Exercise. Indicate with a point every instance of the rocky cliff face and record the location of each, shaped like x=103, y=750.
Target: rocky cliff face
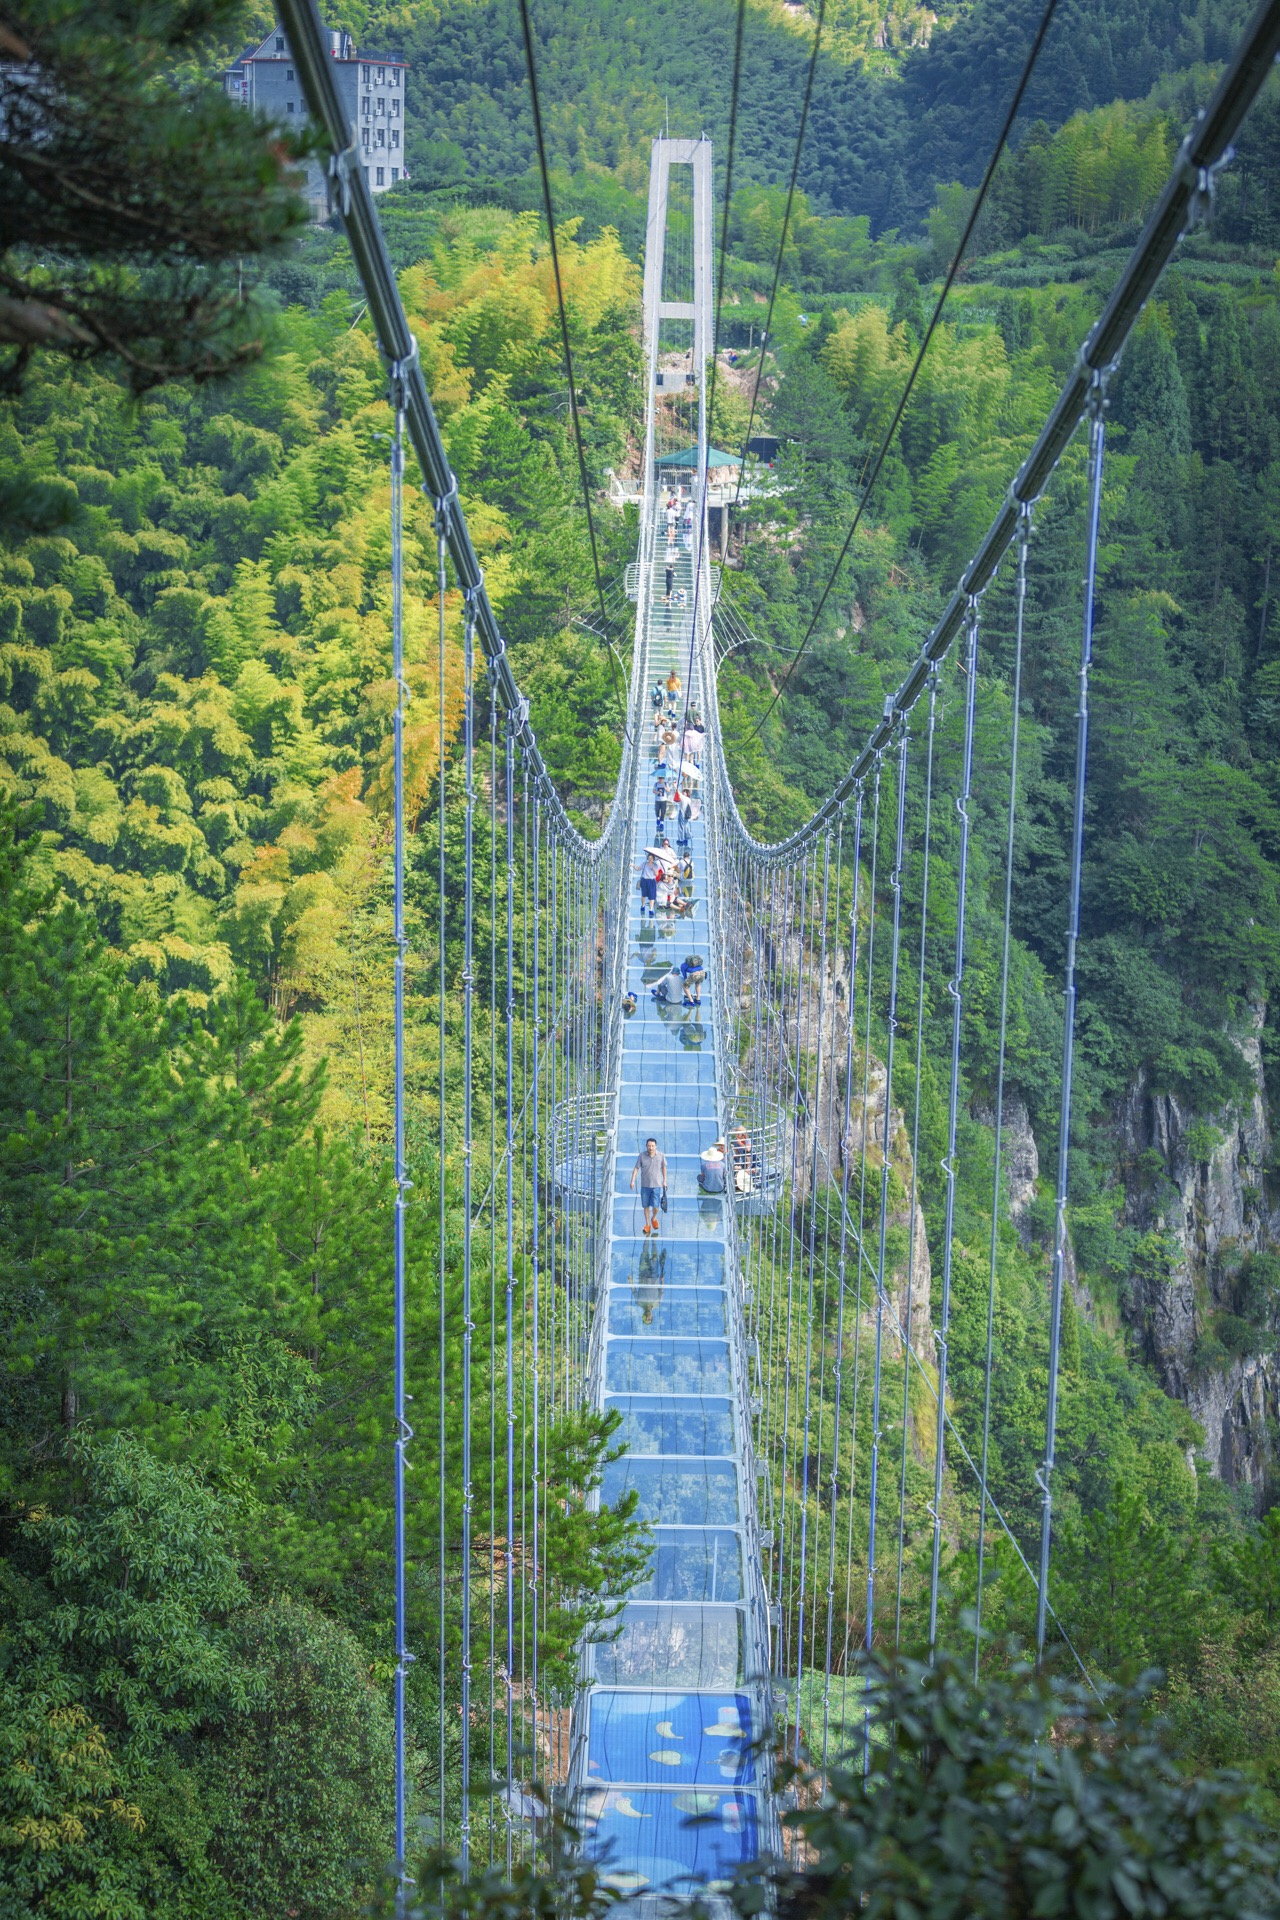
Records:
x=1202, y=1188
x=837, y=1119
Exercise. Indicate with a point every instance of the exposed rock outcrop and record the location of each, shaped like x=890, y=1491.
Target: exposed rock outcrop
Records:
x=1202, y=1187
x=830, y=1128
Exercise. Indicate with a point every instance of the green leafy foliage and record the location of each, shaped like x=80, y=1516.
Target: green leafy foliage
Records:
x=1026, y=1796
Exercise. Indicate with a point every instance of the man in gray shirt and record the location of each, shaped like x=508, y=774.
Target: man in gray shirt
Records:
x=651, y=1166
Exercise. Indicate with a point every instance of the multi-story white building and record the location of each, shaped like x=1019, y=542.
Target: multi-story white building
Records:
x=370, y=85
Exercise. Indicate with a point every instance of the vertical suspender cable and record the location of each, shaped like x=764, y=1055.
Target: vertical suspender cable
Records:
x=895, y=884
x=468, y=941
x=510, y=1300
x=528, y=1537
x=814, y=1120
x=956, y=990
x=862, y=1189
x=820, y=1464
x=404, y=1433
x=1024, y=539
x=838, y=1391
x=1045, y=1475
x=442, y=533
x=534, y=1199
x=493, y=1255
x=915, y=1150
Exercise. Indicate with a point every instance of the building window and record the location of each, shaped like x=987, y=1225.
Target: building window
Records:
x=381, y=180
x=395, y=107
x=365, y=138
x=364, y=74
x=382, y=76
x=288, y=73
x=365, y=107
x=382, y=137
x=289, y=106
x=279, y=43
x=395, y=175
x=395, y=137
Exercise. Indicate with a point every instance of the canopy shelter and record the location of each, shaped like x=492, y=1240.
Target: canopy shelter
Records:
x=687, y=457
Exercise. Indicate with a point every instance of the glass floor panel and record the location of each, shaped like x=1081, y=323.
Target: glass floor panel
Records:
x=667, y=1366
x=654, y=1427
x=681, y=1137
x=673, y=1646
x=681, y=1033
x=674, y=1066
x=683, y=1266
x=654, y=1106
x=693, y=1564
x=655, y=1026
x=689, y=1312
x=687, y=1219
x=666, y=1739
x=646, y=1839
x=694, y=1492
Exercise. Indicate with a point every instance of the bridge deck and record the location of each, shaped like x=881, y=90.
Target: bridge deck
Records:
x=666, y=1759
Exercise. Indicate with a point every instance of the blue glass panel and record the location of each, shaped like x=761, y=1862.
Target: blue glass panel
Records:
x=667, y=1366
x=664, y=1739
x=674, y=1067
x=648, y=1839
x=655, y=1106
x=685, y=1219
x=682, y=1266
x=692, y=1566
x=672, y=1646
x=690, y=1312
x=691, y=1492
x=645, y=1265
x=680, y=1137
x=674, y=1426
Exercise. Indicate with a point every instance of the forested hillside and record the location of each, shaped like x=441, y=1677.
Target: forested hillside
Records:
x=195, y=1226
x=195, y=957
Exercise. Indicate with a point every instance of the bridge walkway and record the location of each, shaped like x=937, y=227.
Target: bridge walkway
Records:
x=667, y=1781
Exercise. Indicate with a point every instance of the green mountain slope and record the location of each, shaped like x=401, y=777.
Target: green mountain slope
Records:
x=886, y=122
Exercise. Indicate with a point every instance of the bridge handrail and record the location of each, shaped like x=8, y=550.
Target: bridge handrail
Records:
x=1186, y=200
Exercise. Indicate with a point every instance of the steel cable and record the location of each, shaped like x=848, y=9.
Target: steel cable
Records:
x=1024, y=541
x=969, y=667
x=1097, y=437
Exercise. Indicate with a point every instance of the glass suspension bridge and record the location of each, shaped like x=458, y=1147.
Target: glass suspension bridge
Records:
x=776, y=1354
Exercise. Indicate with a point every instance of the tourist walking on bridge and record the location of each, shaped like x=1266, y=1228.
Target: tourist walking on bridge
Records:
x=649, y=886
x=651, y=1168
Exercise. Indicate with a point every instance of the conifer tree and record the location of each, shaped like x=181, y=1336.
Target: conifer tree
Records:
x=129, y=197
